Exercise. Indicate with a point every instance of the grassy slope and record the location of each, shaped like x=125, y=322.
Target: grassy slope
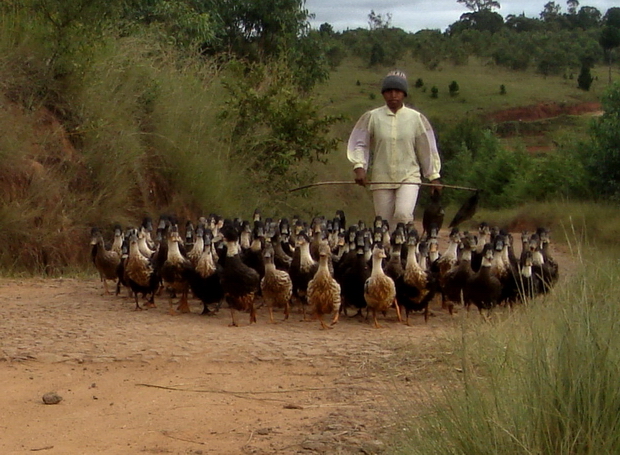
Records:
x=479, y=94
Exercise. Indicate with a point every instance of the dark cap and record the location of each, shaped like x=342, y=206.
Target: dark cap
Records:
x=395, y=80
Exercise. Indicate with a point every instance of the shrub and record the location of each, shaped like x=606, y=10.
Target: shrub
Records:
x=584, y=80
x=419, y=83
x=453, y=88
x=434, y=92
x=601, y=154
x=502, y=89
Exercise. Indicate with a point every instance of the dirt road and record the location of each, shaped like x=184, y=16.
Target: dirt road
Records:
x=148, y=382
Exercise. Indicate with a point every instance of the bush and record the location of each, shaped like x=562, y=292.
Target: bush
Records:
x=584, y=80
x=434, y=92
x=419, y=83
x=601, y=156
x=453, y=88
x=502, y=89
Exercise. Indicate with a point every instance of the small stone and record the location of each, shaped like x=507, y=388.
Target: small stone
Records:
x=52, y=398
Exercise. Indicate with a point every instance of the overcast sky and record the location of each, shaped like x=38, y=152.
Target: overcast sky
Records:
x=414, y=15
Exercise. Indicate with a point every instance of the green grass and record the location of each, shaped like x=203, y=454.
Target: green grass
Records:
x=479, y=89
x=540, y=380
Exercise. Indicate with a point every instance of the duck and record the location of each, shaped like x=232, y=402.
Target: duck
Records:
x=394, y=265
x=190, y=235
x=417, y=287
x=379, y=289
x=106, y=260
x=354, y=277
x=204, y=276
x=483, y=289
x=448, y=259
x=239, y=282
x=456, y=278
x=303, y=268
x=433, y=245
x=194, y=254
x=530, y=285
x=433, y=215
x=324, y=292
x=276, y=285
x=318, y=228
x=143, y=244
x=253, y=254
x=140, y=275
x=545, y=249
x=547, y=273
x=174, y=271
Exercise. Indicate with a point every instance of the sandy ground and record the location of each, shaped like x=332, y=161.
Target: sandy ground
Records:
x=147, y=382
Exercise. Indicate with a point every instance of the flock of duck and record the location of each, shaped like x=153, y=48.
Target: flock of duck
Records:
x=325, y=266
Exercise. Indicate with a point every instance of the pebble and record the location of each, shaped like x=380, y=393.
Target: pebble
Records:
x=51, y=398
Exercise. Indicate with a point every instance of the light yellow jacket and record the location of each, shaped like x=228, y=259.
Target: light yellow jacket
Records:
x=392, y=147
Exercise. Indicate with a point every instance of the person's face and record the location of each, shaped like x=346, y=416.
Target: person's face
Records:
x=394, y=99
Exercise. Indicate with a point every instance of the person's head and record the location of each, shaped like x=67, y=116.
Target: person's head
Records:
x=394, y=89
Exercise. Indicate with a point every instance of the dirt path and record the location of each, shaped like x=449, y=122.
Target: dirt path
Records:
x=148, y=382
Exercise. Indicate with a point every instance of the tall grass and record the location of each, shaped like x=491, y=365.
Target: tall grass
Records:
x=542, y=380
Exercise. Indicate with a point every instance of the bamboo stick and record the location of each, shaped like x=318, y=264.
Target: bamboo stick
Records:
x=349, y=182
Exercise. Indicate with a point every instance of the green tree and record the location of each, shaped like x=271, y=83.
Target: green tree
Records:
x=377, y=21
x=610, y=35
x=572, y=6
x=588, y=17
x=484, y=20
x=480, y=5
x=551, y=12
x=601, y=155
x=270, y=125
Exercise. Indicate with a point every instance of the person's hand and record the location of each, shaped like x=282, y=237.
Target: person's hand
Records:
x=437, y=186
x=360, y=176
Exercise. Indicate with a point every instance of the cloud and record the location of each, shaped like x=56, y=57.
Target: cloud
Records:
x=416, y=15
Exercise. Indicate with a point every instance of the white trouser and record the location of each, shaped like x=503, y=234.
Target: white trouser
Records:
x=396, y=205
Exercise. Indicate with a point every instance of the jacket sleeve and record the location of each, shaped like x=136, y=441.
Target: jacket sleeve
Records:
x=358, y=148
x=426, y=151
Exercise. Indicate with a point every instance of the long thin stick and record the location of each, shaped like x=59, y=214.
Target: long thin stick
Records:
x=349, y=182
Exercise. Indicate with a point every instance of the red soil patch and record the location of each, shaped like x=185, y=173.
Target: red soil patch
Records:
x=542, y=111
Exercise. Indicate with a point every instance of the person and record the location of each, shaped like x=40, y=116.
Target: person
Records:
x=392, y=145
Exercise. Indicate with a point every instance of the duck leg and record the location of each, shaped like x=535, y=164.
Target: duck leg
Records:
x=138, y=307
x=400, y=319
x=234, y=321
x=183, y=303
x=252, y=313
x=374, y=317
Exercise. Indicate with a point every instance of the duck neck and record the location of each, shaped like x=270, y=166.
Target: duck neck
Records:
x=452, y=250
x=305, y=258
x=173, y=250
x=377, y=268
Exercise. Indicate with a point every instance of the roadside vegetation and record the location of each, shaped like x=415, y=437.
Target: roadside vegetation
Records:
x=540, y=379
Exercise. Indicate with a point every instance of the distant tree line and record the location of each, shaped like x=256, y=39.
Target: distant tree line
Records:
x=552, y=44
